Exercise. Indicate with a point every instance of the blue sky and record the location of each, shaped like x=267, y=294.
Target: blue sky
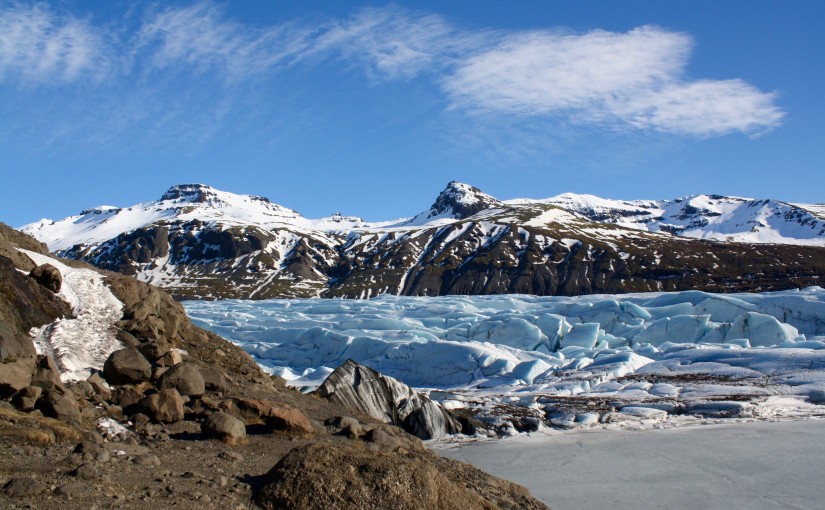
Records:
x=370, y=108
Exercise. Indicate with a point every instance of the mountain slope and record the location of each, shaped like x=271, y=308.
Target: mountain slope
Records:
x=199, y=242
x=705, y=217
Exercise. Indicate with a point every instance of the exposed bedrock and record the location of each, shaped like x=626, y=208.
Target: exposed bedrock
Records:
x=366, y=391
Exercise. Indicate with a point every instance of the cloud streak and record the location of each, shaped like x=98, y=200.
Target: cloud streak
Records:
x=625, y=80
x=617, y=81
x=40, y=46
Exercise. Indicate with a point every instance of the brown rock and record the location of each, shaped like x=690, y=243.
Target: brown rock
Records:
x=184, y=377
x=56, y=404
x=15, y=375
x=99, y=386
x=48, y=276
x=26, y=398
x=165, y=406
x=14, y=346
x=24, y=487
x=170, y=359
x=353, y=477
x=126, y=366
x=288, y=419
x=225, y=427
x=154, y=348
x=46, y=375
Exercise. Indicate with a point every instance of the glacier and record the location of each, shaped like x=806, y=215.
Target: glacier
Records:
x=651, y=354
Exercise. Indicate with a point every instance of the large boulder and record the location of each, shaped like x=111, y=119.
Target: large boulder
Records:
x=366, y=391
x=165, y=406
x=225, y=427
x=15, y=375
x=126, y=366
x=353, y=476
x=56, y=404
x=184, y=377
x=46, y=374
x=48, y=276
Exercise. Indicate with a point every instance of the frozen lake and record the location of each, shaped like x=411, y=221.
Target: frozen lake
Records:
x=748, y=466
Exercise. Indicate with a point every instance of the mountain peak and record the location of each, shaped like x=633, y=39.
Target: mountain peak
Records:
x=197, y=193
x=459, y=201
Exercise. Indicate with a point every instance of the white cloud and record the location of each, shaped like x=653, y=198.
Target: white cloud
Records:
x=39, y=45
x=632, y=79
x=200, y=36
x=388, y=42
x=395, y=43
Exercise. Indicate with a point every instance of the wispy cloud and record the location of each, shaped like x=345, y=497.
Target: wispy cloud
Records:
x=634, y=80
x=40, y=45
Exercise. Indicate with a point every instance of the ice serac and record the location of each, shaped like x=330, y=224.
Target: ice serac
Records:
x=366, y=391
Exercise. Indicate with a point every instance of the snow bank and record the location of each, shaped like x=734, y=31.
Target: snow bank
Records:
x=84, y=342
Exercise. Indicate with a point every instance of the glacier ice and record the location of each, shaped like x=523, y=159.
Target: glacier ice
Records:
x=649, y=347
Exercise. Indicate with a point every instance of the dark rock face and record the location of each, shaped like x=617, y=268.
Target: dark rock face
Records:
x=354, y=477
x=461, y=201
x=48, y=276
x=366, y=391
x=474, y=256
x=13, y=345
x=126, y=366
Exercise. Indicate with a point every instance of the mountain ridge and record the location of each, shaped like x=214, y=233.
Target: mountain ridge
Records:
x=200, y=242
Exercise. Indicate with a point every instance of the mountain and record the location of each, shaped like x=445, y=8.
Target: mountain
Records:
x=705, y=217
x=199, y=242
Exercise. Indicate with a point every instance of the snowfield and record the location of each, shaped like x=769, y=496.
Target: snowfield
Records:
x=84, y=342
x=656, y=359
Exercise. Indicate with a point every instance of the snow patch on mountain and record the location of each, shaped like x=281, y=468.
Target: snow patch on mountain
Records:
x=701, y=216
x=720, y=218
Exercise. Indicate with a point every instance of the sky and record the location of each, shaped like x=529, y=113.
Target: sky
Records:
x=370, y=108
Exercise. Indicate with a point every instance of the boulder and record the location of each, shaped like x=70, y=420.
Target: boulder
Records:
x=15, y=375
x=356, y=477
x=271, y=414
x=288, y=419
x=48, y=276
x=126, y=366
x=366, y=391
x=225, y=427
x=184, y=377
x=153, y=349
x=213, y=378
x=26, y=398
x=46, y=374
x=165, y=406
x=56, y=404
x=170, y=359
x=99, y=386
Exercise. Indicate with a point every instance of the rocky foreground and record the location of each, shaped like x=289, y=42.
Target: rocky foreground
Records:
x=180, y=418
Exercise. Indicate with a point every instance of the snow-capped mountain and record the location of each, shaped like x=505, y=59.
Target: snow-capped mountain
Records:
x=201, y=242
x=705, y=217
